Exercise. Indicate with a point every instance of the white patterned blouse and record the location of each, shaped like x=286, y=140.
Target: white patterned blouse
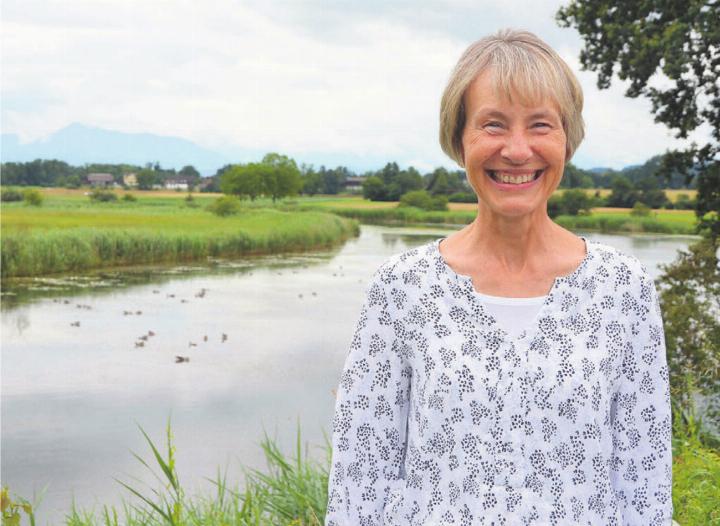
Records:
x=443, y=419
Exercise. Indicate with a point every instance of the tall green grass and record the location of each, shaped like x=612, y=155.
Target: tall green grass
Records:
x=663, y=224
x=51, y=241
x=293, y=492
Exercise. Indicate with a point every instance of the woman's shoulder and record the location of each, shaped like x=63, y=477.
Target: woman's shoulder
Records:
x=408, y=267
x=610, y=256
x=620, y=271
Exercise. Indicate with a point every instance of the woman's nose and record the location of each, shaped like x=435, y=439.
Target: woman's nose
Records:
x=517, y=148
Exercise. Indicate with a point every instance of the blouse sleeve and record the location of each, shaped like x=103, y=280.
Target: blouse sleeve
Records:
x=371, y=411
x=641, y=467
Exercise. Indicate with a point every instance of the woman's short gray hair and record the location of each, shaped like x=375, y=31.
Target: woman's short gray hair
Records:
x=524, y=67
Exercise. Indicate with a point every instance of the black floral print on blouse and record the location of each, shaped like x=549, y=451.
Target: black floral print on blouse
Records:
x=442, y=419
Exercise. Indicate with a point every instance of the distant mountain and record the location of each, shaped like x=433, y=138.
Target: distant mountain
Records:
x=78, y=144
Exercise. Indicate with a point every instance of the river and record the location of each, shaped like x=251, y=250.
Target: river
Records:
x=88, y=359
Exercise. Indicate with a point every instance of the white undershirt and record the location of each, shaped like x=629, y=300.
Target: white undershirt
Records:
x=513, y=315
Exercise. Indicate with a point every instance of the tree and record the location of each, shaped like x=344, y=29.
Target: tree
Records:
x=623, y=193
x=333, y=181
x=650, y=192
x=146, y=178
x=692, y=326
x=574, y=177
x=244, y=180
x=678, y=43
x=281, y=176
x=191, y=173
x=312, y=180
x=575, y=200
x=373, y=188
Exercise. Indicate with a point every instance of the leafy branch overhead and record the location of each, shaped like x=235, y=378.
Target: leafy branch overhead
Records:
x=669, y=52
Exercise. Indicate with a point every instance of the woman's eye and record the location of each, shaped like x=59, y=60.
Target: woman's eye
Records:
x=493, y=124
x=541, y=125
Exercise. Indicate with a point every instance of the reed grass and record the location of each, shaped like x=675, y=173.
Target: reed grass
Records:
x=46, y=241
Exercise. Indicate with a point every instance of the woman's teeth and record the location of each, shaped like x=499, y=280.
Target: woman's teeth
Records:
x=504, y=177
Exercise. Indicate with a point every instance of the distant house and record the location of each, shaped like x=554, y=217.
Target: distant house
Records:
x=101, y=180
x=178, y=183
x=130, y=179
x=354, y=184
x=208, y=184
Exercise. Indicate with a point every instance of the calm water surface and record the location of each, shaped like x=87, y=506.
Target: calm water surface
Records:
x=73, y=396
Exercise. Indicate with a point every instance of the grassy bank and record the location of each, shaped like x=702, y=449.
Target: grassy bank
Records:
x=661, y=222
x=602, y=220
x=293, y=491
x=71, y=235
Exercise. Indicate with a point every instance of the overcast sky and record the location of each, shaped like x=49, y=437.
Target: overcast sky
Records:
x=309, y=78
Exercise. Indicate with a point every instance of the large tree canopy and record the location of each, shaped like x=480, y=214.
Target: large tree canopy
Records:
x=669, y=52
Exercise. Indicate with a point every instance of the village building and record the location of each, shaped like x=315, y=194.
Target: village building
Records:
x=353, y=184
x=178, y=183
x=130, y=180
x=100, y=179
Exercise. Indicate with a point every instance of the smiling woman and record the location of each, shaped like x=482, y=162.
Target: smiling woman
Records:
x=512, y=373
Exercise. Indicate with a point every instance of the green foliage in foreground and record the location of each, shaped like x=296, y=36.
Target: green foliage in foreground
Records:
x=293, y=492
x=42, y=241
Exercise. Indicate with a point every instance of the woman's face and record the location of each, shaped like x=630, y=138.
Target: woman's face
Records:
x=514, y=155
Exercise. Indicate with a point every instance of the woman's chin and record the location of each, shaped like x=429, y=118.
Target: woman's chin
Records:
x=515, y=208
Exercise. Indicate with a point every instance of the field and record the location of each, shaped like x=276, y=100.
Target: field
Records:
x=69, y=233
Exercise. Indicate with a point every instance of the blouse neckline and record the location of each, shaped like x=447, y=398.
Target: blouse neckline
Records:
x=476, y=297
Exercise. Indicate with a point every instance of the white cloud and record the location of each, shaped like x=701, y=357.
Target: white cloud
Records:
x=305, y=78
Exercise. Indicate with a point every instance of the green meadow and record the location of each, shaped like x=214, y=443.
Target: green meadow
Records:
x=69, y=233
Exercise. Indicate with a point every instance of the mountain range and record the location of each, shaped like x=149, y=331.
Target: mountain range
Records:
x=78, y=144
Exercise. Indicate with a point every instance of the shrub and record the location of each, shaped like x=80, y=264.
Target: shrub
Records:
x=102, y=196
x=640, y=209
x=572, y=202
x=575, y=200
x=417, y=198
x=683, y=202
x=129, y=198
x=9, y=195
x=463, y=197
x=32, y=197
x=439, y=202
x=190, y=201
x=423, y=200
x=224, y=206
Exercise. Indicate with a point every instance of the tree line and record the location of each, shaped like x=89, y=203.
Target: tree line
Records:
x=54, y=173
x=277, y=176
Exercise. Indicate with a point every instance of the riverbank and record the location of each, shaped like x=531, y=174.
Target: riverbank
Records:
x=73, y=235
x=605, y=220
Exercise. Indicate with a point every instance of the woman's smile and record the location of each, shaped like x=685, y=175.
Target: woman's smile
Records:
x=506, y=179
